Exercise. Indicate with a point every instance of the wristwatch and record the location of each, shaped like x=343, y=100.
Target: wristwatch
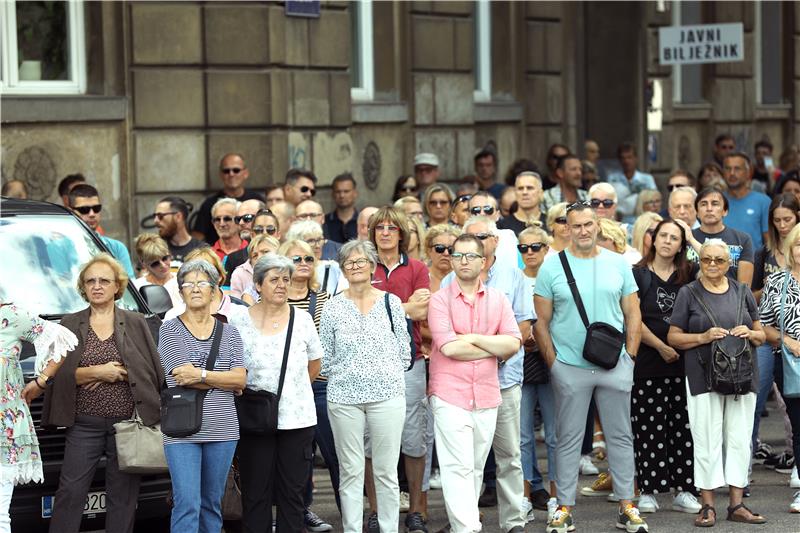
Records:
x=203, y=376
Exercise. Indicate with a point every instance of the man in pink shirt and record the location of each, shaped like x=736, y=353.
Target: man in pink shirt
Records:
x=473, y=329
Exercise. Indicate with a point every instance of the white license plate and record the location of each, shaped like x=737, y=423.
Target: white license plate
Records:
x=95, y=504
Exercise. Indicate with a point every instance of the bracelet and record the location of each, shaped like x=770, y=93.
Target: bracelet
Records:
x=36, y=380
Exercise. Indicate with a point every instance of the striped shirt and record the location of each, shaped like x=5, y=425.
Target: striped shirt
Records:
x=305, y=304
x=177, y=346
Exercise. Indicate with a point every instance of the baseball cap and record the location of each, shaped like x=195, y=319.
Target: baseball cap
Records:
x=426, y=158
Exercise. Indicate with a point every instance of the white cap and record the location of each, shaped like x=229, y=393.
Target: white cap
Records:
x=426, y=158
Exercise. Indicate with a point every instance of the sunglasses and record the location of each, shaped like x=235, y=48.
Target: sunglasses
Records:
x=297, y=259
x=307, y=189
x=713, y=260
x=231, y=170
x=560, y=220
x=535, y=247
x=269, y=230
x=158, y=262
x=482, y=236
x=578, y=205
x=408, y=189
x=160, y=216
x=86, y=209
x=244, y=218
x=608, y=204
x=671, y=188
x=438, y=203
x=462, y=198
x=441, y=248
x=487, y=210
x=217, y=220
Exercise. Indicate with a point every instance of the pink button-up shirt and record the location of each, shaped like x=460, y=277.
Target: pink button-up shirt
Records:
x=467, y=384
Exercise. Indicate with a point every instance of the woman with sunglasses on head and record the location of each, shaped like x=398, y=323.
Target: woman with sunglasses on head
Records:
x=437, y=204
x=459, y=211
x=558, y=227
x=154, y=255
x=404, y=186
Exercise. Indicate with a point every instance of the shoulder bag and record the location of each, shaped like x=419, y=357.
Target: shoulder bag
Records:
x=791, y=364
x=604, y=342
x=182, y=407
x=409, y=327
x=258, y=409
x=140, y=448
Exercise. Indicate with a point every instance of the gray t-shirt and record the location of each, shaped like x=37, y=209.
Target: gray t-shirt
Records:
x=740, y=246
x=690, y=317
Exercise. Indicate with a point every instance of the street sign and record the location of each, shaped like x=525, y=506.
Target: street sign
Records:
x=704, y=43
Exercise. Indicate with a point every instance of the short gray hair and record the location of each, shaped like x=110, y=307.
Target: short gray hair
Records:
x=603, y=187
x=271, y=261
x=355, y=246
x=719, y=243
x=491, y=226
x=225, y=201
x=682, y=188
x=300, y=229
x=201, y=266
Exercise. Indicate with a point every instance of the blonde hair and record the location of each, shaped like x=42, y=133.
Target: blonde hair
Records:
x=438, y=230
x=558, y=210
x=150, y=246
x=394, y=216
x=207, y=254
x=640, y=227
x=535, y=230
x=433, y=189
x=646, y=195
x=261, y=238
x=120, y=276
x=610, y=230
x=790, y=240
x=415, y=226
x=283, y=250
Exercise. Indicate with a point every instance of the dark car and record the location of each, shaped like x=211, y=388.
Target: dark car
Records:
x=43, y=247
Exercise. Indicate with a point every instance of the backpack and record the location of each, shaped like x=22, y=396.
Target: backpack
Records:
x=731, y=367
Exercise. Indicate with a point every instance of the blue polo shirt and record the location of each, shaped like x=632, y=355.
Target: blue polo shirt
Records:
x=750, y=215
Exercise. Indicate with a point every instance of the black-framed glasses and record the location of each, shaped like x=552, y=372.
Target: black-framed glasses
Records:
x=160, y=216
x=408, y=188
x=607, y=203
x=487, y=210
x=560, y=220
x=231, y=170
x=469, y=256
x=246, y=218
x=442, y=248
x=217, y=220
x=86, y=209
x=361, y=262
x=307, y=259
x=269, y=230
x=319, y=241
x=578, y=205
x=306, y=189
x=533, y=247
x=157, y=262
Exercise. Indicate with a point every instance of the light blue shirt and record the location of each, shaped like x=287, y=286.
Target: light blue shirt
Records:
x=602, y=282
x=750, y=215
x=120, y=253
x=628, y=191
x=512, y=282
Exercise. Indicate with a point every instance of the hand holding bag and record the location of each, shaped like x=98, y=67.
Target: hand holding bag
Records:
x=791, y=364
x=140, y=448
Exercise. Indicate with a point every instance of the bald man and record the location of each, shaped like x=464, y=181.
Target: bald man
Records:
x=363, y=222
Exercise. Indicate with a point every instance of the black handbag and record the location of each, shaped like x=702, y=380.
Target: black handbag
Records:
x=258, y=409
x=182, y=407
x=534, y=369
x=604, y=342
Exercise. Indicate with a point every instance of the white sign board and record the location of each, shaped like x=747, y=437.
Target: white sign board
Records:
x=704, y=43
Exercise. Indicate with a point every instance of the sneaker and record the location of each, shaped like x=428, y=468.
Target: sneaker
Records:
x=314, y=522
x=648, y=503
x=794, y=481
x=552, y=507
x=587, y=466
x=527, y=509
x=795, y=506
x=372, y=523
x=786, y=465
x=684, y=502
x=561, y=521
x=629, y=520
x=539, y=499
x=600, y=487
x=488, y=498
x=763, y=452
x=415, y=523
x=405, y=502
x=774, y=460
x=435, y=480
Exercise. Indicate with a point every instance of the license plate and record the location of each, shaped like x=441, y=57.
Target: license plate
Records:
x=95, y=504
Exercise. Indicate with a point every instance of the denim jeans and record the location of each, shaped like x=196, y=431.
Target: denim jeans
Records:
x=198, y=472
x=543, y=394
x=323, y=436
x=766, y=375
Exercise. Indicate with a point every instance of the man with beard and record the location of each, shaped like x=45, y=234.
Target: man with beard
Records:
x=170, y=216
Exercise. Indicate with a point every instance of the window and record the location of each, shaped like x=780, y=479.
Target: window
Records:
x=687, y=80
x=769, y=78
x=362, y=75
x=42, y=47
x=483, y=51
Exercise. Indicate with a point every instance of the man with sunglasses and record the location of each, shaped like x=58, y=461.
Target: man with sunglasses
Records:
x=484, y=204
x=678, y=178
x=629, y=181
x=170, y=217
x=245, y=219
x=84, y=200
x=233, y=174
x=569, y=179
x=299, y=185
x=223, y=216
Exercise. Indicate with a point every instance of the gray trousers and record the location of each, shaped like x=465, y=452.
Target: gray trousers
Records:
x=573, y=388
x=88, y=440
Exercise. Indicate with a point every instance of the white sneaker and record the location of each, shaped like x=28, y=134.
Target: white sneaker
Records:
x=435, y=481
x=685, y=502
x=552, y=507
x=795, y=506
x=587, y=466
x=527, y=509
x=648, y=503
x=794, y=481
x=405, y=503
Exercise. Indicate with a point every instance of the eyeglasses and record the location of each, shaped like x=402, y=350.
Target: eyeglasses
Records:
x=231, y=170
x=672, y=187
x=319, y=241
x=308, y=216
x=246, y=218
x=269, y=230
x=650, y=232
x=469, y=256
x=306, y=189
x=608, y=204
x=160, y=216
x=487, y=210
x=103, y=282
x=190, y=285
x=560, y=220
x=462, y=198
x=534, y=247
x=441, y=248
x=217, y=220
x=482, y=236
x=438, y=203
x=308, y=259
x=578, y=205
x=86, y=209
x=361, y=262
x=713, y=260
x=157, y=262
x=386, y=227
x=408, y=189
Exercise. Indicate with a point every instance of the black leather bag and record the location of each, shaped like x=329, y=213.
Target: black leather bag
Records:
x=182, y=407
x=604, y=342
x=534, y=369
x=257, y=409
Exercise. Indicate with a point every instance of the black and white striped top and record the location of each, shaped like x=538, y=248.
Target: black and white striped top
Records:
x=305, y=305
x=177, y=346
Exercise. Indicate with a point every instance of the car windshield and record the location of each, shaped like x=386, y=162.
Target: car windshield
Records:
x=42, y=256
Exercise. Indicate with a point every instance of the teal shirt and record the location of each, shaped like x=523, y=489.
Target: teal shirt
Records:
x=120, y=253
x=602, y=282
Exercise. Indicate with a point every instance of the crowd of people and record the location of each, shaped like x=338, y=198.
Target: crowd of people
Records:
x=453, y=328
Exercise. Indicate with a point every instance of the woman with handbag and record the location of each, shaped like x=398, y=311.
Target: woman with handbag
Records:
x=112, y=374
x=200, y=355
x=276, y=413
x=780, y=316
x=715, y=319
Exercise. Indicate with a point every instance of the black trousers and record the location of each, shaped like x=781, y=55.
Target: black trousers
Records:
x=274, y=467
x=87, y=441
x=662, y=440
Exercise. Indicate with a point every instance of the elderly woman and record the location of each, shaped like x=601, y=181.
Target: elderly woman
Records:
x=328, y=272
x=367, y=350
x=221, y=303
x=242, y=278
x=721, y=424
x=154, y=255
x=276, y=466
x=603, y=198
x=112, y=372
x=643, y=231
x=558, y=227
x=778, y=310
x=436, y=204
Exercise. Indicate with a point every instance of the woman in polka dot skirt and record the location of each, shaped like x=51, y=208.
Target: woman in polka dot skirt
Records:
x=662, y=438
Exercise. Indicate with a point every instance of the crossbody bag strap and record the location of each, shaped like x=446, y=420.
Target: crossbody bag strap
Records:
x=215, y=342
x=286, y=351
x=703, y=305
x=781, y=314
x=388, y=310
x=312, y=304
x=325, y=278
x=742, y=304
x=573, y=286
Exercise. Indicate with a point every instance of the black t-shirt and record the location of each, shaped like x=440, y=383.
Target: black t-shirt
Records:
x=740, y=246
x=178, y=253
x=765, y=264
x=656, y=300
x=516, y=225
x=203, y=223
x=233, y=260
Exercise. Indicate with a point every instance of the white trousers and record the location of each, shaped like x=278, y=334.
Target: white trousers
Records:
x=6, y=490
x=721, y=429
x=384, y=421
x=463, y=440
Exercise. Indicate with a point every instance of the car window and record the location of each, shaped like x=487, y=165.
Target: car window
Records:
x=41, y=259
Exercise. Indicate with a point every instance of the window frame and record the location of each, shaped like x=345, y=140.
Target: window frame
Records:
x=10, y=84
x=483, y=51
x=365, y=49
x=759, y=53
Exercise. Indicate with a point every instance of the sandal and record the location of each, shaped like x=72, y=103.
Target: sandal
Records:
x=755, y=518
x=704, y=519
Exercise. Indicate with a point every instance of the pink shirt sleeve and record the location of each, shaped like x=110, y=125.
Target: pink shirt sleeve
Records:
x=439, y=321
x=238, y=279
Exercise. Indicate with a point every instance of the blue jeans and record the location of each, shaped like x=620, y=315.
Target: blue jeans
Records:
x=323, y=436
x=766, y=376
x=543, y=394
x=199, y=472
